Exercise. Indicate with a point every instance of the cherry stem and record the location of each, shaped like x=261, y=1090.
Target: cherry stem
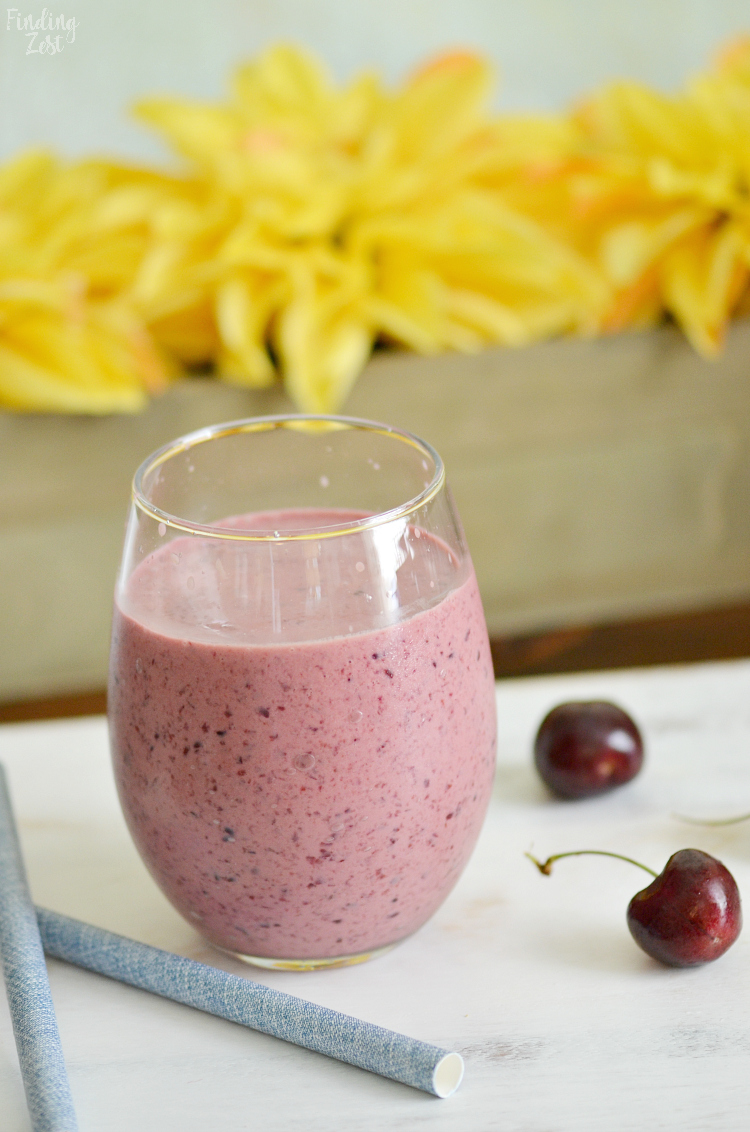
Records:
x=545, y=867
x=716, y=821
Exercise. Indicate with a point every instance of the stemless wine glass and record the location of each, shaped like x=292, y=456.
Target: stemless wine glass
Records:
x=302, y=710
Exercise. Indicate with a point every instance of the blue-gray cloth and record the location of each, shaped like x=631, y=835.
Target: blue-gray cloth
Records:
x=34, y=1024
x=252, y=1004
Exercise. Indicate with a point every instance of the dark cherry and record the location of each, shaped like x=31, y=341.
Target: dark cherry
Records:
x=690, y=914
x=587, y=748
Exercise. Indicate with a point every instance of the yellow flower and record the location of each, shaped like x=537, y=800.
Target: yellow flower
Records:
x=668, y=217
x=358, y=213
x=313, y=221
x=68, y=341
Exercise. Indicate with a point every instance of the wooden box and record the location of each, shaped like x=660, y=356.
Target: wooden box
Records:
x=597, y=480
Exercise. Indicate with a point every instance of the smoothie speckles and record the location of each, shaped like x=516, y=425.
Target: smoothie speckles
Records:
x=294, y=787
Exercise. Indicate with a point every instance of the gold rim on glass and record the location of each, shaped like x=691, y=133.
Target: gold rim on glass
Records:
x=300, y=423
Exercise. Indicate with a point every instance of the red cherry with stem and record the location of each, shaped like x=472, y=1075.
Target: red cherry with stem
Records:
x=689, y=914
x=587, y=748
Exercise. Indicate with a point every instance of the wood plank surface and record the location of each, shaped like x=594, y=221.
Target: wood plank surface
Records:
x=564, y=1024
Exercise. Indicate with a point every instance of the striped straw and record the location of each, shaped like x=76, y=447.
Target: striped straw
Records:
x=423, y=1066
x=34, y=1024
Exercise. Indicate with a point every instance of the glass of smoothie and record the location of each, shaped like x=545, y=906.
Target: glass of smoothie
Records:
x=301, y=697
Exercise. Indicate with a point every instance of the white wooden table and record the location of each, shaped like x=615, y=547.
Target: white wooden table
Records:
x=564, y=1024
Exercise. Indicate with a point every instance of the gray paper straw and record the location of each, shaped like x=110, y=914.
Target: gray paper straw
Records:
x=34, y=1024
x=427, y=1067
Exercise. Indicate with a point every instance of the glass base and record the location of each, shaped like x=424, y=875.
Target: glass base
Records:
x=311, y=964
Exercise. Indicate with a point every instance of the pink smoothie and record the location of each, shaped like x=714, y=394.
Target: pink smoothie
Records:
x=301, y=800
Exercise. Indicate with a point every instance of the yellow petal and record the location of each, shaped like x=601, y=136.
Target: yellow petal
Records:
x=188, y=332
x=322, y=345
x=630, y=248
x=496, y=321
x=194, y=129
x=700, y=283
x=286, y=79
x=243, y=312
x=443, y=102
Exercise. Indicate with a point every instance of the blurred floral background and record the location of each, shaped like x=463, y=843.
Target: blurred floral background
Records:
x=292, y=224
x=531, y=214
